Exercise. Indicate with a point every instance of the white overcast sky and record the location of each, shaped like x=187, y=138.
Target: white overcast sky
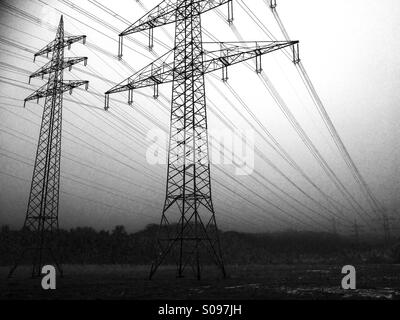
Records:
x=349, y=48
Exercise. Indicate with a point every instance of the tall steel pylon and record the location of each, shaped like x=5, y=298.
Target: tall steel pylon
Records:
x=41, y=220
x=334, y=227
x=188, y=229
x=356, y=230
x=386, y=228
x=387, y=221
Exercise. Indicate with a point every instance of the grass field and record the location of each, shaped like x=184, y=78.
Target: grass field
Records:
x=244, y=282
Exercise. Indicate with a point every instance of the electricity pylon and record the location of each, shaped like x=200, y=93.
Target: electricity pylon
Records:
x=386, y=221
x=334, y=227
x=386, y=227
x=356, y=232
x=41, y=220
x=188, y=228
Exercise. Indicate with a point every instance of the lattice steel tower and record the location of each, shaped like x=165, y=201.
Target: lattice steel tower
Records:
x=188, y=229
x=42, y=214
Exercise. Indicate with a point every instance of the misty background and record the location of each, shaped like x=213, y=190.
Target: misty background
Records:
x=349, y=48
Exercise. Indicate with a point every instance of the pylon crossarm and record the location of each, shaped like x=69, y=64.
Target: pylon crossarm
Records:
x=165, y=13
x=52, y=46
x=65, y=86
x=158, y=72
x=229, y=53
x=50, y=67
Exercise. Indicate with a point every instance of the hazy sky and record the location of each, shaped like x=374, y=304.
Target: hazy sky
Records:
x=349, y=48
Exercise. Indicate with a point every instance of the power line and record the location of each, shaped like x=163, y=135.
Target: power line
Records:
x=314, y=151
x=331, y=128
x=305, y=138
x=224, y=185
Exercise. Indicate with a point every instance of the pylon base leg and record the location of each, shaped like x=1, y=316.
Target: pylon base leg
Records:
x=36, y=268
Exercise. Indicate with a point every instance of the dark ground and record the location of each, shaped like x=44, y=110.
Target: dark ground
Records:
x=244, y=282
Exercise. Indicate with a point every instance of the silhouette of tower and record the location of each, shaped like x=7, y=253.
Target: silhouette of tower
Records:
x=188, y=230
x=386, y=228
x=356, y=230
x=41, y=220
x=334, y=227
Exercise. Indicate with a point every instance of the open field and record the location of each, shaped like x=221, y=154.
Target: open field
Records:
x=244, y=282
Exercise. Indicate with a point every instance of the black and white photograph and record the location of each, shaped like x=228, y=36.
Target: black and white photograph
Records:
x=199, y=155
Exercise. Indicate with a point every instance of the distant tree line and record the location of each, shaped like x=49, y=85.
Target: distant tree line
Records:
x=88, y=246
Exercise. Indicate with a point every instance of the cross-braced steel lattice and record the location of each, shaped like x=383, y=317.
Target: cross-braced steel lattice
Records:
x=188, y=231
x=41, y=220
